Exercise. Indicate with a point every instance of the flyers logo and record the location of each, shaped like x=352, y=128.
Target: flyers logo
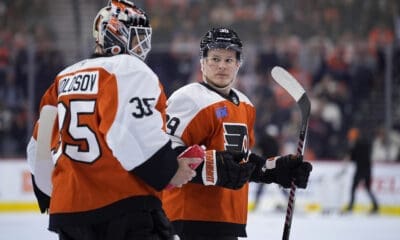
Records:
x=236, y=137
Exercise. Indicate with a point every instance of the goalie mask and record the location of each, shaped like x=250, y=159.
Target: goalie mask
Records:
x=221, y=38
x=121, y=27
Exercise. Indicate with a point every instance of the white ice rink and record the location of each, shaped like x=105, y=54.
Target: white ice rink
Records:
x=261, y=226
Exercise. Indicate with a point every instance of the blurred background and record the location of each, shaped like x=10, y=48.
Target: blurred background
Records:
x=346, y=53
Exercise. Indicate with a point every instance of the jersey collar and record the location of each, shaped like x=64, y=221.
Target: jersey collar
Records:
x=232, y=97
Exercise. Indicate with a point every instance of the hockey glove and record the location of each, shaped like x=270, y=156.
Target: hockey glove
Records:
x=225, y=170
x=281, y=170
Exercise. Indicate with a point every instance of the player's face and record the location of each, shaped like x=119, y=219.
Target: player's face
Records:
x=220, y=67
x=135, y=42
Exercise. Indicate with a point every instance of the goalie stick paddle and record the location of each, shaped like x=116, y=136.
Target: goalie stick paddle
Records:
x=43, y=167
x=293, y=87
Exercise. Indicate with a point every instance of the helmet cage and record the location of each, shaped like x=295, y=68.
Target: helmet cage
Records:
x=139, y=42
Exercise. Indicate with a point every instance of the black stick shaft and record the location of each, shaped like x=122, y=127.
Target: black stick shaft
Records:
x=292, y=194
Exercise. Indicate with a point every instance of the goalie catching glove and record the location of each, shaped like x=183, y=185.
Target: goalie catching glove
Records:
x=281, y=170
x=224, y=169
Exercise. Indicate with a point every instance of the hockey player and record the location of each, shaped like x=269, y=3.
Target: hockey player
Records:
x=213, y=114
x=111, y=155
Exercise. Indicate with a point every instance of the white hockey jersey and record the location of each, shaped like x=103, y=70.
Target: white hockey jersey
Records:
x=111, y=120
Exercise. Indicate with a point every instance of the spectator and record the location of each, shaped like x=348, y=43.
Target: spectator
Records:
x=360, y=153
x=386, y=146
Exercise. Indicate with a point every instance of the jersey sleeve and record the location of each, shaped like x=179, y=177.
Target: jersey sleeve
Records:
x=49, y=98
x=136, y=131
x=188, y=123
x=41, y=169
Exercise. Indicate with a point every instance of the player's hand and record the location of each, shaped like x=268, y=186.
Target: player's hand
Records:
x=185, y=173
x=282, y=170
x=192, y=157
x=226, y=169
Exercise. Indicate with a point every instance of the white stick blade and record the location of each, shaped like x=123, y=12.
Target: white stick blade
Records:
x=288, y=82
x=43, y=164
x=46, y=122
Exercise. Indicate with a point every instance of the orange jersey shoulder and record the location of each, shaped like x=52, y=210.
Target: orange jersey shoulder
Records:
x=198, y=115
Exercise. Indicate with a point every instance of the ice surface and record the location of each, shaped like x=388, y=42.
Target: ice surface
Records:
x=261, y=225
x=326, y=227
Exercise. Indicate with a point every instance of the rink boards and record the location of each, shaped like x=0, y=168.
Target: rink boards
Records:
x=328, y=190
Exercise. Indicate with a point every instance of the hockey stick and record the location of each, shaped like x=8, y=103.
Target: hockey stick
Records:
x=43, y=167
x=290, y=84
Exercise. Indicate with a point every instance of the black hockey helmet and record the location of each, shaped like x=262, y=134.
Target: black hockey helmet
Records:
x=223, y=38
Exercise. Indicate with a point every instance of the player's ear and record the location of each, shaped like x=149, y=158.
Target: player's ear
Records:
x=201, y=64
x=238, y=65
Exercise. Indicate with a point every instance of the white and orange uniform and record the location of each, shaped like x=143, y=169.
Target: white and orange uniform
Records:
x=110, y=150
x=198, y=114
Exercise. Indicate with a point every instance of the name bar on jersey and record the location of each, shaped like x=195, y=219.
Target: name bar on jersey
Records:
x=79, y=83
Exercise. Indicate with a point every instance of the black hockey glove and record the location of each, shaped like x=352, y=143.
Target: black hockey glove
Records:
x=224, y=169
x=281, y=170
